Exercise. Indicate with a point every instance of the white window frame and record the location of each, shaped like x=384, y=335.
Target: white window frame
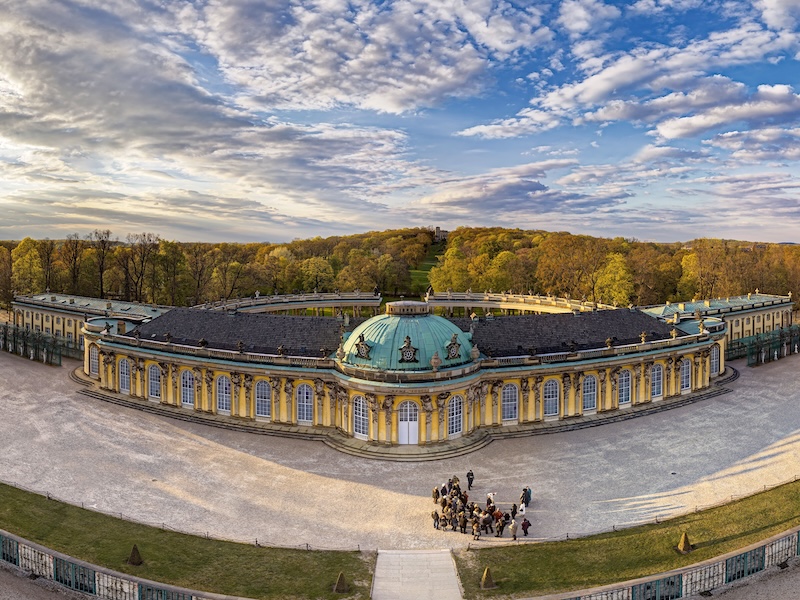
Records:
x=360, y=418
x=154, y=382
x=686, y=375
x=551, y=397
x=224, y=389
x=94, y=360
x=455, y=416
x=124, y=376
x=304, y=400
x=714, y=361
x=510, y=402
x=624, y=387
x=187, y=389
x=656, y=381
x=589, y=393
x=263, y=400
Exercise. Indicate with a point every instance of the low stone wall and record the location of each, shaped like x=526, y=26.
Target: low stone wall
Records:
x=89, y=579
x=701, y=578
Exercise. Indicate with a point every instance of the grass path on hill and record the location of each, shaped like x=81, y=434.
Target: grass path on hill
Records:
x=419, y=277
x=180, y=559
x=538, y=569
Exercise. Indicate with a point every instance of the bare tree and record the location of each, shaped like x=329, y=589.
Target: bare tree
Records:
x=47, y=258
x=102, y=243
x=200, y=265
x=143, y=251
x=72, y=256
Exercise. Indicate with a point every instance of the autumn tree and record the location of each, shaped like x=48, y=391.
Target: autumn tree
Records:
x=200, y=260
x=27, y=277
x=71, y=255
x=6, y=289
x=46, y=249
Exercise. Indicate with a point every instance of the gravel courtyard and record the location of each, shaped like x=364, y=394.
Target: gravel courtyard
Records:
x=288, y=492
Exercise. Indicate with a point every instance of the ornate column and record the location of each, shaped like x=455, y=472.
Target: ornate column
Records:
x=636, y=395
x=668, y=376
x=275, y=383
x=577, y=379
x=441, y=402
x=174, y=370
x=249, y=404
x=198, y=388
x=614, y=380
x=601, y=377
x=140, y=378
x=565, y=385
x=372, y=402
x=537, y=398
x=236, y=384
x=648, y=387
x=164, y=382
x=427, y=407
x=697, y=376
x=525, y=388
x=483, y=391
x=288, y=389
x=208, y=378
x=388, y=406
x=105, y=361
x=344, y=400
x=494, y=390
x=319, y=396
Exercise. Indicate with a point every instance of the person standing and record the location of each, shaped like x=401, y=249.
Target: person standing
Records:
x=528, y=496
x=513, y=511
x=435, y=494
x=513, y=529
x=525, y=525
x=470, y=479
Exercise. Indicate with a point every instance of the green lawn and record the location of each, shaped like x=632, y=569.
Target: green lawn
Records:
x=531, y=569
x=183, y=560
x=419, y=277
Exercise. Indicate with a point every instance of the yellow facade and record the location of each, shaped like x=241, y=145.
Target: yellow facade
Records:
x=491, y=397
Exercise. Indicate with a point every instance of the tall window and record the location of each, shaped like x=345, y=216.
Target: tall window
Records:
x=590, y=392
x=154, y=379
x=263, y=399
x=305, y=403
x=551, y=398
x=223, y=394
x=455, y=411
x=187, y=388
x=715, y=359
x=657, y=381
x=510, y=397
x=360, y=417
x=94, y=361
x=686, y=375
x=125, y=376
x=624, y=387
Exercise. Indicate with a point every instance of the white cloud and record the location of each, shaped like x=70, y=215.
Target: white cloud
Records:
x=580, y=17
x=760, y=145
x=780, y=14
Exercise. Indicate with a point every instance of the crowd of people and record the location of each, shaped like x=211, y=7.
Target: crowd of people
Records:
x=456, y=512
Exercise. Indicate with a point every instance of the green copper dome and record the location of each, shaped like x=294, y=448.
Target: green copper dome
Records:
x=406, y=338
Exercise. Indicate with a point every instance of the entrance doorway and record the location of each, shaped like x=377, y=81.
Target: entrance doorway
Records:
x=408, y=423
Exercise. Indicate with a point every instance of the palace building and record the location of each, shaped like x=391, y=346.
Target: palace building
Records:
x=407, y=376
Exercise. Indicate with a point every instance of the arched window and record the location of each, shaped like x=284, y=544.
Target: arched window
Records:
x=510, y=397
x=715, y=359
x=360, y=417
x=305, y=403
x=263, y=399
x=551, y=398
x=590, y=392
x=657, y=381
x=94, y=361
x=124, y=376
x=455, y=409
x=154, y=380
x=223, y=394
x=624, y=387
x=686, y=375
x=187, y=388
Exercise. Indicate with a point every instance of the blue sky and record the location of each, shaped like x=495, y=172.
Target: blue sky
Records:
x=268, y=120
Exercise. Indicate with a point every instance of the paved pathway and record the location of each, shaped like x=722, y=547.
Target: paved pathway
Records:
x=415, y=575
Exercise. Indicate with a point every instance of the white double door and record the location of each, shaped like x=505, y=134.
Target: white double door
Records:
x=408, y=423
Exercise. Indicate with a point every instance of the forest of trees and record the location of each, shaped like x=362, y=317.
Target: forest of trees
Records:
x=146, y=268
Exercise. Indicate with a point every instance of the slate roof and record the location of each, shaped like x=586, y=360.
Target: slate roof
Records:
x=261, y=333
x=544, y=334
x=495, y=337
x=94, y=306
